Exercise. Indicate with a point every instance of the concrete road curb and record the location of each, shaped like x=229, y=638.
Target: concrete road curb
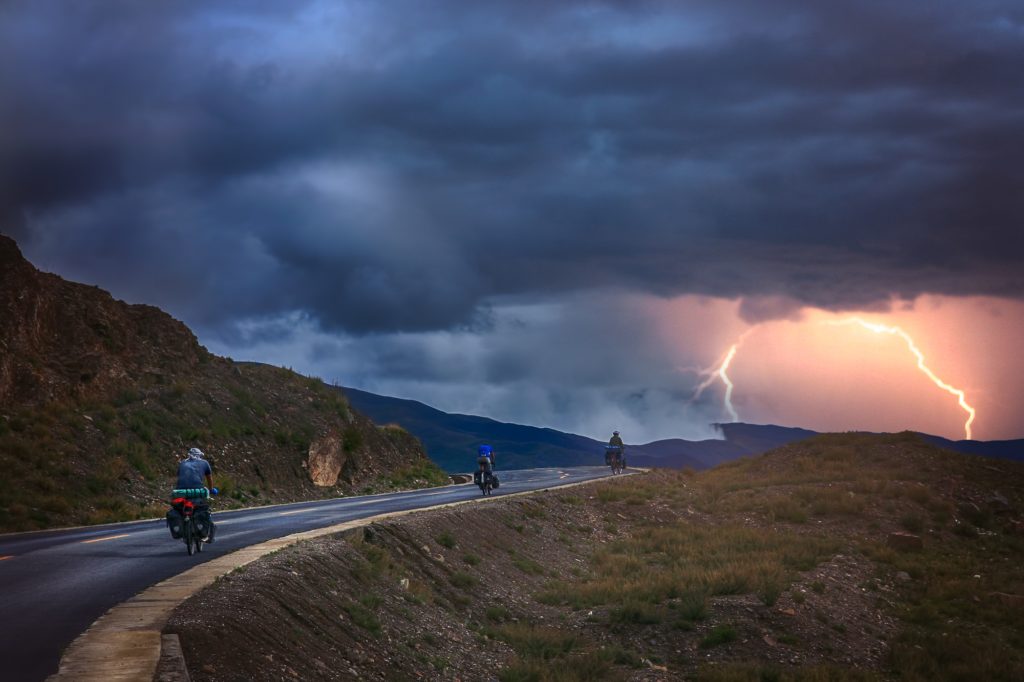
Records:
x=171, y=667
x=124, y=645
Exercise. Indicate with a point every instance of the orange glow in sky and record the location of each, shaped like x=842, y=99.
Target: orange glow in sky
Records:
x=884, y=329
x=804, y=371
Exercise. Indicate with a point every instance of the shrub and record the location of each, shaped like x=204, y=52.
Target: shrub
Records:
x=785, y=509
x=912, y=522
x=462, y=580
x=693, y=605
x=496, y=614
x=635, y=613
x=722, y=634
x=418, y=473
x=535, y=642
x=363, y=617
x=528, y=566
x=351, y=439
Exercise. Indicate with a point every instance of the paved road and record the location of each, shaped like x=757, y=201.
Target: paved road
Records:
x=54, y=584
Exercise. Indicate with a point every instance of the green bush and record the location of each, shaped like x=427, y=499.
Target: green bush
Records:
x=462, y=580
x=635, y=613
x=351, y=439
x=363, y=617
x=721, y=634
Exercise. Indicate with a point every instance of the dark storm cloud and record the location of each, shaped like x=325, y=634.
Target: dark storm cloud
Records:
x=381, y=168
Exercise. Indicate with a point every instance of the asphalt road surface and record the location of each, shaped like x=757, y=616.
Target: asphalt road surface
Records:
x=54, y=584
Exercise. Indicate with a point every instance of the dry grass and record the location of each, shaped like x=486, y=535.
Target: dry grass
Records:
x=761, y=520
x=752, y=672
x=551, y=655
x=658, y=564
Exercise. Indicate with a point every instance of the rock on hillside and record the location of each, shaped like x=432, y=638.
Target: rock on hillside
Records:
x=99, y=399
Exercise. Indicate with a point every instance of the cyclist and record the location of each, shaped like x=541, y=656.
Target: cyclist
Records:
x=485, y=460
x=191, y=472
x=615, y=448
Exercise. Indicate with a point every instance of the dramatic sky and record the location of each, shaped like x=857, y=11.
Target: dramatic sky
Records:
x=556, y=213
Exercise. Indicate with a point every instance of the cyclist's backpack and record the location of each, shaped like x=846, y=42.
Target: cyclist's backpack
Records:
x=174, y=522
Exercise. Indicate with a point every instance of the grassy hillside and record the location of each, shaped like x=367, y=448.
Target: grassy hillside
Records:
x=96, y=460
x=841, y=558
x=100, y=399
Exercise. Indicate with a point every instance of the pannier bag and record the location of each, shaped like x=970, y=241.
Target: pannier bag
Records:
x=476, y=477
x=174, y=523
x=494, y=481
x=203, y=522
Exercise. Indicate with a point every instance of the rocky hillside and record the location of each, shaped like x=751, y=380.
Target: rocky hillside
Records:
x=99, y=399
x=841, y=558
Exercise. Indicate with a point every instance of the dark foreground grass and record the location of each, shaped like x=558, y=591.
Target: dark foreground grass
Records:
x=548, y=654
x=765, y=519
x=962, y=610
x=753, y=672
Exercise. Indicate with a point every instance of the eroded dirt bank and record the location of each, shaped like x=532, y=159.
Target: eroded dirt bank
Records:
x=844, y=557
x=512, y=589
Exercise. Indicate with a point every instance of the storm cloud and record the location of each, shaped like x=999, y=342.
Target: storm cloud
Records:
x=406, y=167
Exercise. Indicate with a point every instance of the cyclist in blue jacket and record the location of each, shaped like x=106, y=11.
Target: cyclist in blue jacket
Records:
x=191, y=472
x=485, y=460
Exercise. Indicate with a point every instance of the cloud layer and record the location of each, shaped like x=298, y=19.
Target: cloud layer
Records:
x=404, y=168
x=394, y=168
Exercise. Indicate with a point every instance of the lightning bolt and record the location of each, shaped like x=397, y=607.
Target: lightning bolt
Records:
x=720, y=372
x=896, y=331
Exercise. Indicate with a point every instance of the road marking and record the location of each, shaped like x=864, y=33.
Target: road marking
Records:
x=109, y=537
x=297, y=511
x=5, y=558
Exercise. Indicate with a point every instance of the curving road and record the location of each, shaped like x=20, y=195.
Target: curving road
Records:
x=54, y=584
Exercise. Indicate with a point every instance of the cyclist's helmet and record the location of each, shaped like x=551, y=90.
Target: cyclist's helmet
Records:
x=484, y=450
x=615, y=433
x=195, y=453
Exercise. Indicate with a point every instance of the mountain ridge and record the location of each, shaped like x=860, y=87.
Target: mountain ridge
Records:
x=451, y=439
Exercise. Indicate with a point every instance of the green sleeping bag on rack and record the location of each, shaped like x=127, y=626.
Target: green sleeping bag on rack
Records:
x=191, y=493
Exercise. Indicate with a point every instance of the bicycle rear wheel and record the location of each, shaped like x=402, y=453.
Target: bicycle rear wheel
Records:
x=189, y=537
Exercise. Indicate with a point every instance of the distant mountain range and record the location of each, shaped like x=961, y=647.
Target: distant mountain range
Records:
x=451, y=440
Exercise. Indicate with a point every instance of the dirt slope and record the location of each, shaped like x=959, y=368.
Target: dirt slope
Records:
x=777, y=568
